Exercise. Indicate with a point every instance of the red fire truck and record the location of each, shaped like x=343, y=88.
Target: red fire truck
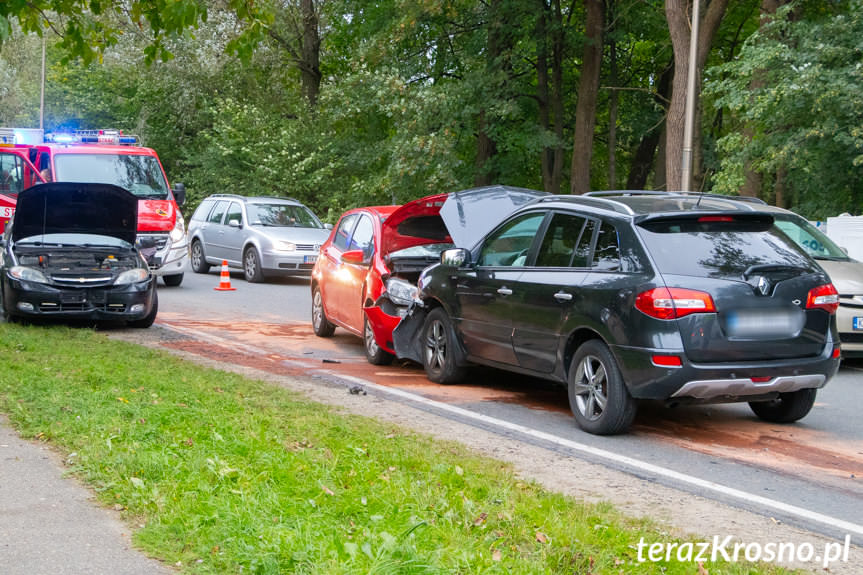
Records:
x=109, y=156
x=17, y=173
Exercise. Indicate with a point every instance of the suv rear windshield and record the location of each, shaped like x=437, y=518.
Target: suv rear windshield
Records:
x=711, y=247
x=141, y=175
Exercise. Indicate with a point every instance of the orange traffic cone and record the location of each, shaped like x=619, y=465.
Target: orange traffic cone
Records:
x=225, y=279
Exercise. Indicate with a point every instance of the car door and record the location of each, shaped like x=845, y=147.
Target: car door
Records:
x=363, y=239
x=233, y=233
x=212, y=231
x=548, y=290
x=484, y=292
x=333, y=285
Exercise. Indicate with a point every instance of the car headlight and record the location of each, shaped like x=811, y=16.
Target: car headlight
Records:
x=132, y=276
x=179, y=229
x=401, y=292
x=26, y=274
x=286, y=246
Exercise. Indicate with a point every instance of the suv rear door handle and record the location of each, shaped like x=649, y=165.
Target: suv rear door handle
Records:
x=562, y=296
x=504, y=291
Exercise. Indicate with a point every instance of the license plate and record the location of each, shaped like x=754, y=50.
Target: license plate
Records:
x=759, y=324
x=310, y=259
x=858, y=323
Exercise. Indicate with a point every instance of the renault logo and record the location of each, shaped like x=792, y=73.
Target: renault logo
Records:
x=763, y=285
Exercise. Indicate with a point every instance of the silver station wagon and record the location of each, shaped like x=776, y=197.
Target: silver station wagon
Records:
x=264, y=236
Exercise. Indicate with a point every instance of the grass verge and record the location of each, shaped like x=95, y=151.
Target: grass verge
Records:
x=231, y=475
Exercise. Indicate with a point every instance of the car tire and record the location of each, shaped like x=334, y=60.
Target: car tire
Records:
x=252, y=266
x=148, y=319
x=787, y=408
x=320, y=323
x=374, y=353
x=598, y=396
x=198, y=259
x=440, y=356
x=173, y=280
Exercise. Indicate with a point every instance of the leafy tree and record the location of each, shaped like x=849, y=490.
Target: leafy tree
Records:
x=796, y=86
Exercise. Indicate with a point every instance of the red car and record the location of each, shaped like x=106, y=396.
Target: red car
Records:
x=365, y=277
x=367, y=271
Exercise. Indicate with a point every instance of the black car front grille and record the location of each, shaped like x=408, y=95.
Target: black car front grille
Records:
x=308, y=247
x=64, y=306
x=846, y=337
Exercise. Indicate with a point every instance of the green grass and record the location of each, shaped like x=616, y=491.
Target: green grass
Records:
x=231, y=475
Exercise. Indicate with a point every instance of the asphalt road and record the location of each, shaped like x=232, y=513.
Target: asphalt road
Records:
x=808, y=474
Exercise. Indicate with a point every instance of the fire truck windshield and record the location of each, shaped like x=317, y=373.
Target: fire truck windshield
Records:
x=141, y=175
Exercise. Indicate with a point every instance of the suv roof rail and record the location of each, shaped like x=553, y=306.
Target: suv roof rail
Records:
x=603, y=203
x=748, y=199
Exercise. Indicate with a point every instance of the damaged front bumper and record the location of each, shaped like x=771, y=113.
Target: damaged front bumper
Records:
x=407, y=335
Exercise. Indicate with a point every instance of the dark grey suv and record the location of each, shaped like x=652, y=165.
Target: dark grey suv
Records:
x=665, y=297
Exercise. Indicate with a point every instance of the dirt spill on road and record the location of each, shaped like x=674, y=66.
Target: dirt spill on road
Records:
x=293, y=349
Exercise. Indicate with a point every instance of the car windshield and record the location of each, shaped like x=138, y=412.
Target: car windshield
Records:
x=141, y=175
x=73, y=240
x=808, y=237
x=427, y=251
x=283, y=215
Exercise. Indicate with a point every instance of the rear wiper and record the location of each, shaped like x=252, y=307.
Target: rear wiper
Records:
x=772, y=268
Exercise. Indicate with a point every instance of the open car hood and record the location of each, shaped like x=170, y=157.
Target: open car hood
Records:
x=64, y=207
x=461, y=218
x=471, y=214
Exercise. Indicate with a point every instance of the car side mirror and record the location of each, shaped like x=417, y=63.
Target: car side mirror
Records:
x=328, y=226
x=844, y=250
x=455, y=258
x=179, y=193
x=355, y=257
x=234, y=224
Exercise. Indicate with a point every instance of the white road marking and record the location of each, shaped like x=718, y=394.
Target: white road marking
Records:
x=630, y=462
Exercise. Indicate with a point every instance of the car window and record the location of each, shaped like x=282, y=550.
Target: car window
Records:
x=203, y=210
x=363, y=237
x=720, y=249
x=235, y=212
x=283, y=215
x=218, y=212
x=508, y=246
x=810, y=238
x=343, y=232
x=582, y=248
x=559, y=242
x=606, y=255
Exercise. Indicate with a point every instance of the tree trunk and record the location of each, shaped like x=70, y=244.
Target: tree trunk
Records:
x=752, y=179
x=588, y=90
x=678, y=15
x=643, y=161
x=310, y=69
x=486, y=147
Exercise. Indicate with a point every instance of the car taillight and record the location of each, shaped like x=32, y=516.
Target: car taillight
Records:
x=705, y=219
x=672, y=303
x=823, y=297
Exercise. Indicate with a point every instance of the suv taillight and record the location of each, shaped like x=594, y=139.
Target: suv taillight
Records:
x=672, y=303
x=823, y=297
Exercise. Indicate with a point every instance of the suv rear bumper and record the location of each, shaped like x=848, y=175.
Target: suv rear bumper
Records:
x=716, y=383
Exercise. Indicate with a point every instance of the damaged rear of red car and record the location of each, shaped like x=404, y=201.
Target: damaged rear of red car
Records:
x=365, y=277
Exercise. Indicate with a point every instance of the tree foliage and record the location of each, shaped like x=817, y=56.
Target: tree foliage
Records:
x=347, y=102
x=805, y=112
